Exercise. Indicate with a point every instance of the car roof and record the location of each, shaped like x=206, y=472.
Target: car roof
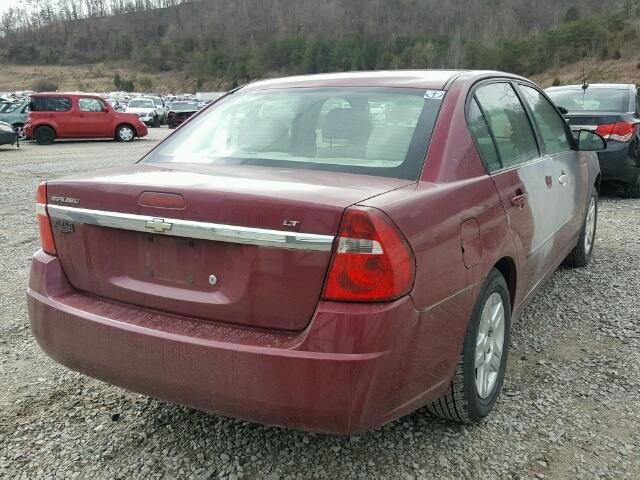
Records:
x=620, y=86
x=65, y=94
x=428, y=79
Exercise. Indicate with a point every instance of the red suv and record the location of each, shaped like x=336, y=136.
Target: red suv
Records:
x=65, y=115
x=326, y=252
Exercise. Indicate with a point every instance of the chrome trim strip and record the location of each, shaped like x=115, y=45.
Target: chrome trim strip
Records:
x=41, y=209
x=191, y=229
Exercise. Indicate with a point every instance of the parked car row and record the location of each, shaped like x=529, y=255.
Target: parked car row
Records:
x=158, y=113
x=325, y=252
x=46, y=117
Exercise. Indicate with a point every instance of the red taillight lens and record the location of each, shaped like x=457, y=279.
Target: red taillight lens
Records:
x=619, y=132
x=44, y=223
x=371, y=262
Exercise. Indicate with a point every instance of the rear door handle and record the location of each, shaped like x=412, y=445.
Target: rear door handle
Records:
x=563, y=179
x=519, y=200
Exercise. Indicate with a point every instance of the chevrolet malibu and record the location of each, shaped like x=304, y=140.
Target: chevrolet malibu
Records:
x=324, y=253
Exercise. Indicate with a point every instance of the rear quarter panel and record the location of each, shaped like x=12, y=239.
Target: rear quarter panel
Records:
x=454, y=188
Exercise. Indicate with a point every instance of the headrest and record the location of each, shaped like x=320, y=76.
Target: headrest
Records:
x=346, y=124
x=260, y=134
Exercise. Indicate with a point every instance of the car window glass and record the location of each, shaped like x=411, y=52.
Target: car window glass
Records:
x=9, y=107
x=90, y=105
x=375, y=131
x=593, y=99
x=508, y=123
x=141, y=104
x=480, y=131
x=550, y=123
x=50, y=104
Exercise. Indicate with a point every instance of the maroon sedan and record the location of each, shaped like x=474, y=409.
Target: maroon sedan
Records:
x=324, y=252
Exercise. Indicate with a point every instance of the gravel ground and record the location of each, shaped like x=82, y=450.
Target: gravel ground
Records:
x=570, y=407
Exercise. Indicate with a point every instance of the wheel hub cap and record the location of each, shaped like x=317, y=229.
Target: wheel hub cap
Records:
x=126, y=134
x=489, y=345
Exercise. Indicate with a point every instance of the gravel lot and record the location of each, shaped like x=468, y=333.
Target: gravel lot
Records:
x=571, y=405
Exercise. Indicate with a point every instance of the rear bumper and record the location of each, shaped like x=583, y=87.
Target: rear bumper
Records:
x=354, y=368
x=618, y=163
x=7, y=138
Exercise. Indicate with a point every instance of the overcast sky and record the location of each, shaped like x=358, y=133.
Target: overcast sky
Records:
x=5, y=4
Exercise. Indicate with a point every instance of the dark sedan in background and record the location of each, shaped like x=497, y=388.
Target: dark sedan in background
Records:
x=7, y=135
x=179, y=112
x=613, y=111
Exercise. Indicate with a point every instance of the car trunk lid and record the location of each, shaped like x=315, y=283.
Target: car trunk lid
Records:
x=235, y=244
x=591, y=120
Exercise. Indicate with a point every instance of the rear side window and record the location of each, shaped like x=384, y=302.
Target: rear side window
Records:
x=508, y=122
x=550, y=123
x=481, y=134
x=50, y=104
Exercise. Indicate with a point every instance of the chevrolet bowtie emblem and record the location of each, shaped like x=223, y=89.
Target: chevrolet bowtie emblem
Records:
x=158, y=225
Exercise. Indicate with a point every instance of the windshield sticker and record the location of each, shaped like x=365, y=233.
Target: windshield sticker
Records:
x=434, y=94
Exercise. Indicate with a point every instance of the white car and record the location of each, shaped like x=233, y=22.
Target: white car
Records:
x=146, y=109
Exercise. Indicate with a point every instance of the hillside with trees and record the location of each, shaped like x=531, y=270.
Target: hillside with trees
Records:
x=221, y=43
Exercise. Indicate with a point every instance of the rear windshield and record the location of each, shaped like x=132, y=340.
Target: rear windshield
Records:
x=141, y=104
x=592, y=99
x=50, y=104
x=373, y=131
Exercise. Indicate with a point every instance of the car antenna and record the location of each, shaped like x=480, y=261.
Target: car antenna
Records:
x=585, y=85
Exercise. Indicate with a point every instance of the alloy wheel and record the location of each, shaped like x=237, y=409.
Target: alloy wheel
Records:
x=489, y=345
x=590, y=226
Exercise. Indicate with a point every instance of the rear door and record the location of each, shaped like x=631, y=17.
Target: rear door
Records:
x=568, y=171
x=55, y=111
x=520, y=173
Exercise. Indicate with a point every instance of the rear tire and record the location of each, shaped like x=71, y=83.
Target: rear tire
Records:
x=125, y=133
x=481, y=367
x=44, y=135
x=580, y=256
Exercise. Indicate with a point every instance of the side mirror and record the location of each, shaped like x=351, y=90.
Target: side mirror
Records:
x=589, y=141
x=105, y=109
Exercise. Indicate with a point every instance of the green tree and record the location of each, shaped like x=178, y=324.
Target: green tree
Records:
x=145, y=83
x=572, y=14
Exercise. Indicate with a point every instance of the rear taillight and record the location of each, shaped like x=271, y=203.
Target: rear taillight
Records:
x=371, y=262
x=619, y=132
x=44, y=223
